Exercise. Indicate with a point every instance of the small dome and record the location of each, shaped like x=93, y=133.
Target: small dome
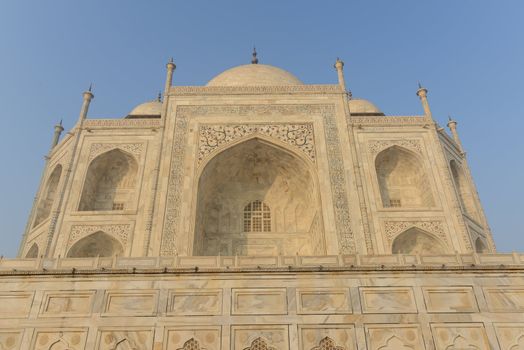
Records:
x=358, y=106
x=151, y=109
x=254, y=75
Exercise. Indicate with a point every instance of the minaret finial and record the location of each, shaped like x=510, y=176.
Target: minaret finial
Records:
x=159, y=97
x=90, y=87
x=419, y=85
x=171, y=59
x=254, y=60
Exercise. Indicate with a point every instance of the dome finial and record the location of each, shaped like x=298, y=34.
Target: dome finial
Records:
x=254, y=60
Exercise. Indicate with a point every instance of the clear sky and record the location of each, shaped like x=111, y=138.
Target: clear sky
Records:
x=469, y=54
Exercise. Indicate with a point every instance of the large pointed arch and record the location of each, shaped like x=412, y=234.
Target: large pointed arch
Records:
x=48, y=196
x=110, y=182
x=402, y=179
x=259, y=170
x=32, y=253
x=417, y=241
x=96, y=244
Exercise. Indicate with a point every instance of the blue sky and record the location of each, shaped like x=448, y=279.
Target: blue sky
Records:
x=469, y=54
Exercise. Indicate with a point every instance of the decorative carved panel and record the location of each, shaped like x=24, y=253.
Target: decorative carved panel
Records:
x=212, y=137
x=259, y=337
x=510, y=335
x=10, y=339
x=334, y=155
x=72, y=304
x=15, y=304
x=195, y=302
x=263, y=301
x=436, y=227
x=98, y=148
x=120, y=231
x=128, y=338
x=193, y=338
x=394, y=337
x=130, y=303
x=59, y=339
x=376, y=146
x=323, y=301
x=383, y=300
x=505, y=299
x=450, y=299
x=327, y=337
x=460, y=336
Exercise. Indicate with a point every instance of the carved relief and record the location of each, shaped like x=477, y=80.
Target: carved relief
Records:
x=260, y=337
x=327, y=344
x=122, y=123
x=211, y=137
x=10, y=340
x=193, y=338
x=376, y=146
x=461, y=336
x=213, y=90
x=436, y=227
x=394, y=337
x=510, y=335
x=59, y=340
x=336, y=166
x=123, y=339
x=98, y=148
x=119, y=231
x=191, y=344
x=327, y=337
x=389, y=120
x=259, y=344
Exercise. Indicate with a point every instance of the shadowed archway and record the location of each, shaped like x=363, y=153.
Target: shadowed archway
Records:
x=256, y=198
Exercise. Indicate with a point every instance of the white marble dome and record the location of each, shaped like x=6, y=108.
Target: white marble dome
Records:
x=254, y=75
x=359, y=106
x=146, y=109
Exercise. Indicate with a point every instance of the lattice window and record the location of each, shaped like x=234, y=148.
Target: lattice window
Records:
x=259, y=344
x=394, y=203
x=191, y=344
x=327, y=344
x=257, y=217
x=118, y=206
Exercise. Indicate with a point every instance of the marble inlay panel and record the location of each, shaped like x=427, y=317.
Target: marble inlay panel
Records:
x=387, y=300
x=193, y=338
x=394, y=337
x=510, y=335
x=124, y=338
x=129, y=303
x=505, y=299
x=10, y=339
x=60, y=304
x=59, y=339
x=459, y=336
x=15, y=304
x=327, y=337
x=450, y=299
x=259, y=337
x=195, y=302
x=323, y=301
x=263, y=301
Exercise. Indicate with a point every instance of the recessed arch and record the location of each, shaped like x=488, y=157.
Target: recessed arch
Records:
x=32, y=253
x=402, y=179
x=48, y=196
x=463, y=190
x=110, y=182
x=417, y=241
x=480, y=246
x=96, y=244
x=257, y=169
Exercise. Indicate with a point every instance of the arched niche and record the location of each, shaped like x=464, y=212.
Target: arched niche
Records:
x=32, y=253
x=416, y=241
x=463, y=190
x=110, y=182
x=48, y=196
x=402, y=180
x=480, y=247
x=282, y=186
x=96, y=244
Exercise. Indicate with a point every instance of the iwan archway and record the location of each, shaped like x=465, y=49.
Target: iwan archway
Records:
x=258, y=198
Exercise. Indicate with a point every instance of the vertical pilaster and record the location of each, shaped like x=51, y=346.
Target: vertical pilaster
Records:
x=69, y=169
x=156, y=171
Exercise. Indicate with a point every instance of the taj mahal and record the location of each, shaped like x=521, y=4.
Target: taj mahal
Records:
x=258, y=212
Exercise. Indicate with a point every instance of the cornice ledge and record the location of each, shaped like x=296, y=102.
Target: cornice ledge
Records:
x=249, y=90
